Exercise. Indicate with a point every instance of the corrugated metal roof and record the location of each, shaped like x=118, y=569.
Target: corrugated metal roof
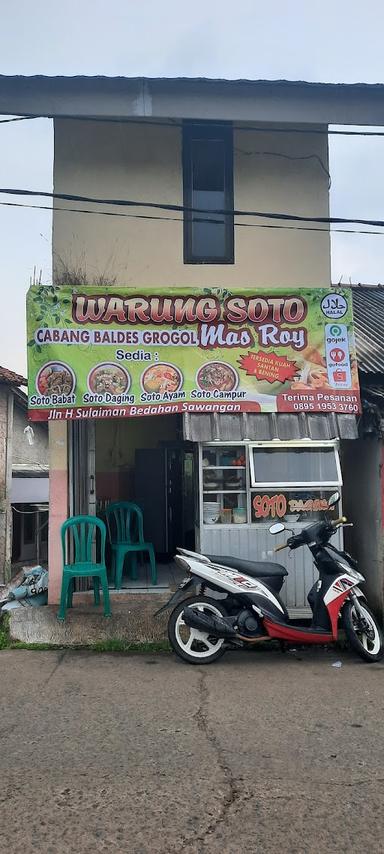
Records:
x=246, y=81
x=260, y=427
x=368, y=309
x=97, y=97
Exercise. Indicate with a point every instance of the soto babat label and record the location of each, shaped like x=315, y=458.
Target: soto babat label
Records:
x=126, y=353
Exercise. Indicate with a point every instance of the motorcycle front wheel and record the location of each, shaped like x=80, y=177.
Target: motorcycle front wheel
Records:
x=190, y=644
x=363, y=632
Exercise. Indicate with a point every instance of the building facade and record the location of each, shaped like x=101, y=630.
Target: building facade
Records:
x=192, y=159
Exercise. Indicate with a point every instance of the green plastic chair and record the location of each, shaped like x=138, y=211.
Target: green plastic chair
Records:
x=126, y=534
x=83, y=531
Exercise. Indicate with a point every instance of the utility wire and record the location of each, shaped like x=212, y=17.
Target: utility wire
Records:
x=19, y=119
x=131, y=203
x=198, y=219
x=171, y=123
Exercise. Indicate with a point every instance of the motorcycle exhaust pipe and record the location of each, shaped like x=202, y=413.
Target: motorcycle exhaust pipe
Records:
x=217, y=626
x=209, y=624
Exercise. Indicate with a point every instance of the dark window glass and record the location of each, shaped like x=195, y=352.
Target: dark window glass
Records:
x=29, y=525
x=295, y=465
x=208, y=186
x=43, y=525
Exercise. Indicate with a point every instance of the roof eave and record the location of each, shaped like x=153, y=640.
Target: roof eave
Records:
x=120, y=98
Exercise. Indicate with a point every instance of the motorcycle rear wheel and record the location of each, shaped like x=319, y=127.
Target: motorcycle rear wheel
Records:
x=370, y=644
x=190, y=644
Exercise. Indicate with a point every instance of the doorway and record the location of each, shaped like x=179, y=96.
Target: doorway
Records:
x=147, y=461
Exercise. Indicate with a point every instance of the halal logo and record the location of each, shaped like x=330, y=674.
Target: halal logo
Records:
x=334, y=306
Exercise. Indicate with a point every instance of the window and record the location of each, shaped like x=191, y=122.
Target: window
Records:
x=297, y=466
x=208, y=185
x=224, y=485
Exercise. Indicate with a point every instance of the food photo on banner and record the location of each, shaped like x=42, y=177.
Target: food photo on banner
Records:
x=123, y=353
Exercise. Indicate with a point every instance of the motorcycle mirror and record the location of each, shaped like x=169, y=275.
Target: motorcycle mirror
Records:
x=334, y=499
x=278, y=528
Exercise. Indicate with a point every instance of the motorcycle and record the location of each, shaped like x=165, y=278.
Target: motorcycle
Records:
x=249, y=609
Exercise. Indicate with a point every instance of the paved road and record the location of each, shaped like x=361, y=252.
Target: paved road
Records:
x=261, y=752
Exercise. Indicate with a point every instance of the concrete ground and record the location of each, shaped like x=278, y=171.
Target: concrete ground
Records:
x=261, y=752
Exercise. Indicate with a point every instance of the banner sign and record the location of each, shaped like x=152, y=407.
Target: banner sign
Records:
x=121, y=352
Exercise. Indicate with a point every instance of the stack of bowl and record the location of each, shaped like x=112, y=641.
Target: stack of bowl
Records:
x=211, y=512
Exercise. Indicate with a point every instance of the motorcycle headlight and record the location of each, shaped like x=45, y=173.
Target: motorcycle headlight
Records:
x=345, y=567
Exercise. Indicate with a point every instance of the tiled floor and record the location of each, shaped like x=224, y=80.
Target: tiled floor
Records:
x=168, y=575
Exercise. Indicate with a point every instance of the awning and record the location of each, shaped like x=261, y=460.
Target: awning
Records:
x=258, y=427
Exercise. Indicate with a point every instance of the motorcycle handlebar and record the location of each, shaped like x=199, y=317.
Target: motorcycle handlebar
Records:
x=340, y=521
x=294, y=542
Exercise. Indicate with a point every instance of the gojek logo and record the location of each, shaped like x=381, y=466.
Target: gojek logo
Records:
x=335, y=331
x=336, y=334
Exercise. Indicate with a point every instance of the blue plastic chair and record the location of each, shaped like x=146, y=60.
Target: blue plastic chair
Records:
x=82, y=531
x=126, y=534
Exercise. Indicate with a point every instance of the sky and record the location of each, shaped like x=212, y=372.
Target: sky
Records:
x=328, y=41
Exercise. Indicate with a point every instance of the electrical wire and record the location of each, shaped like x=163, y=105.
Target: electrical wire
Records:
x=131, y=203
x=171, y=123
x=198, y=219
x=239, y=127
x=19, y=119
x=240, y=151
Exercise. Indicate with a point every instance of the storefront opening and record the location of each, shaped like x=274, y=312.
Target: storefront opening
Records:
x=147, y=462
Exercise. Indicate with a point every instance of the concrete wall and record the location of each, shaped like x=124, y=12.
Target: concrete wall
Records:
x=22, y=451
x=116, y=160
x=362, y=473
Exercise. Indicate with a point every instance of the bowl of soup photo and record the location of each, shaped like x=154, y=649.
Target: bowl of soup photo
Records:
x=108, y=378
x=217, y=376
x=161, y=378
x=55, y=378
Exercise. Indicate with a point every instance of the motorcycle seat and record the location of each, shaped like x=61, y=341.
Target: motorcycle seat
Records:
x=256, y=569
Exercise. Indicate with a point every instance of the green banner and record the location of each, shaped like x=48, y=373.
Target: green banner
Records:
x=123, y=352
